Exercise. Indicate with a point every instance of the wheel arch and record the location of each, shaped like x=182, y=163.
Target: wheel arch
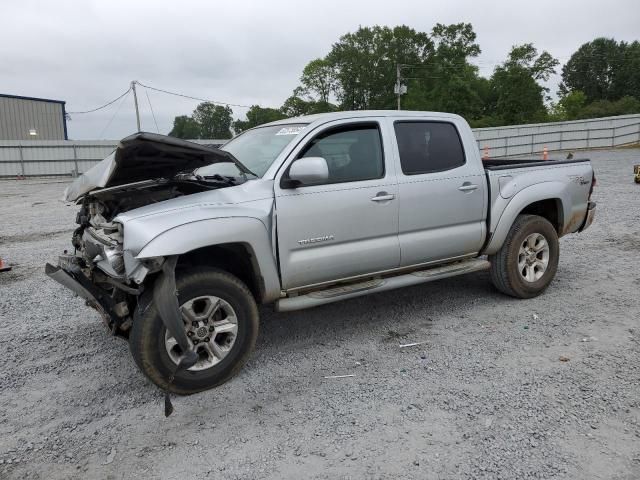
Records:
x=241, y=244
x=548, y=200
x=236, y=258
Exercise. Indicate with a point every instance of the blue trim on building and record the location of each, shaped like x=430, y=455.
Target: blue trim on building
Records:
x=64, y=121
x=20, y=97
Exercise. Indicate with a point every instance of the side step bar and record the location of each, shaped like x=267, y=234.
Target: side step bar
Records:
x=352, y=290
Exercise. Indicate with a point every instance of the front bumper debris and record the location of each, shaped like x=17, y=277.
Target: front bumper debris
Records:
x=588, y=219
x=69, y=274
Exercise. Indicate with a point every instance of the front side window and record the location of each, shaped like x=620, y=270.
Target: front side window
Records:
x=427, y=147
x=353, y=153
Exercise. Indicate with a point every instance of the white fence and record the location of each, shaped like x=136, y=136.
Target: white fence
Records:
x=608, y=132
x=36, y=158
x=57, y=157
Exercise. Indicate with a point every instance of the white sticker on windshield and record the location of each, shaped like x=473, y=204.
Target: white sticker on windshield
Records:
x=290, y=131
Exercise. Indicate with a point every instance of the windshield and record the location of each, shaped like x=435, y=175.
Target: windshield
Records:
x=256, y=149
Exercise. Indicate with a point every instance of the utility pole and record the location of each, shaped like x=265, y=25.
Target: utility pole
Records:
x=135, y=101
x=399, y=89
x=397, y=83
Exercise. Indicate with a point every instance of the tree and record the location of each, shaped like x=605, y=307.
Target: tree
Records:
x=570, y=106
x=604, y=70
x=214, y=120
x=540, y=67
x=365, y=62
x=295, y=105
x=257, y=116
x=628, y=78
x=185, y=127
x=319, y=77
x=449, y=82
x=607, y=108
x=515, y=95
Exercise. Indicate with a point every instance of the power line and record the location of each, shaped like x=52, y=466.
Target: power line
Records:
x=103, y=106
x=193, y=98
x=151, y=108
x=114, y=113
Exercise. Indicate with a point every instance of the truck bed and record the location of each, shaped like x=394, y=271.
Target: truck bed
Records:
x=510, y=163
x=566, y=182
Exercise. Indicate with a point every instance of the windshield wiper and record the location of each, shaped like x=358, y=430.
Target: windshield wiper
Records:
x=219, y=178
x=243, y=169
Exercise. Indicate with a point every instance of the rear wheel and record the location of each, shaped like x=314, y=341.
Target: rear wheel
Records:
x=221, y=321
x=528, y=260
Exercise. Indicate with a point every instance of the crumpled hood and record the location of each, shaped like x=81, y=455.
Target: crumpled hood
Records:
x=252, y=199
x=246, y=192
x=145, y=156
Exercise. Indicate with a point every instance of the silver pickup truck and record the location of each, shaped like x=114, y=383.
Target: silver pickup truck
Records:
x=177, y=243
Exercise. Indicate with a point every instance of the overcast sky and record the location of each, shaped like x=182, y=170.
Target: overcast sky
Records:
x=245, y=52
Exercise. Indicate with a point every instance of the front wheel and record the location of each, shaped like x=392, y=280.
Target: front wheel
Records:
x=528, y=260
x=221, y=321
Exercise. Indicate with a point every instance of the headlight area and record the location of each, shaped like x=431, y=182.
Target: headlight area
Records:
x=136, y=270
x=103, y=247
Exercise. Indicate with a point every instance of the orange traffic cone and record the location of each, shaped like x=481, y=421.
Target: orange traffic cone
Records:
x=3, y=266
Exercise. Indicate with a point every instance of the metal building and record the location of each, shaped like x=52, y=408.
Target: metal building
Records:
x=29, y=118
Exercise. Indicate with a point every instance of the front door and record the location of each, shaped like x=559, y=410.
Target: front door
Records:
x=347, y=226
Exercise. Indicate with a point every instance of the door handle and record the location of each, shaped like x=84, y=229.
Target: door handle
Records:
x=467, y=187
x=383, y=197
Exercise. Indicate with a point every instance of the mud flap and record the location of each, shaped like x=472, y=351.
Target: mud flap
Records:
x=165, y=297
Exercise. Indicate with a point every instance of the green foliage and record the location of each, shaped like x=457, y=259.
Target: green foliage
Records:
x=573, y=106
x=607, y=108
x=448, y=82
x=214, y=120
x=294, y=106
x=365, y=61
x=515, y=96
x=257, y=116
x=569, y=107
x=319, y=78
x=526, y=57
x=185, y=127
x=604, y=70
x=208, y=121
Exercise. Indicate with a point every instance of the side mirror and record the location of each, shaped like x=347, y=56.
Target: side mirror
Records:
x=307, y=171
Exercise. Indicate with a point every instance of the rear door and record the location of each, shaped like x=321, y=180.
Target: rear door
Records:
x=442, y=194
x=349, y=225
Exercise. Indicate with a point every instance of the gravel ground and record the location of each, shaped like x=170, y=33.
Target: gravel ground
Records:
x=485, y=396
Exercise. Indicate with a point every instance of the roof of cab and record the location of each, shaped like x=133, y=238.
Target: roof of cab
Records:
x=343, y=115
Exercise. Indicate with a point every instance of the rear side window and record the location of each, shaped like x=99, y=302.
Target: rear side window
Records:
x=427, y=147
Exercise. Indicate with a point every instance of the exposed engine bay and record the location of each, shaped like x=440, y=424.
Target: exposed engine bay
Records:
x=98, y=236
x=99, y=239
x=145, y=169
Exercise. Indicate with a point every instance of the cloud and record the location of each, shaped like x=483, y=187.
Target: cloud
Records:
x=246, y=52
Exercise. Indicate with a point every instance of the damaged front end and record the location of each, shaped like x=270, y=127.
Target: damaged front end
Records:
x=110, y=279
x=145, y=169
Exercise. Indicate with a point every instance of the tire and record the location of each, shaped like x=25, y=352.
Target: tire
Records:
x=506, y=273
x=149, y=341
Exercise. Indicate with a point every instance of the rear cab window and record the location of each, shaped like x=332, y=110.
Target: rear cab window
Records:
x=428, y=146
